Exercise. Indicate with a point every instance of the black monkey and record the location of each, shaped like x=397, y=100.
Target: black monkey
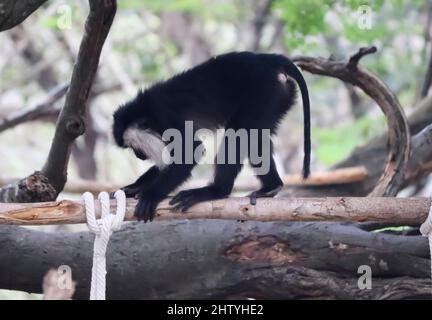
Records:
x=239, y=90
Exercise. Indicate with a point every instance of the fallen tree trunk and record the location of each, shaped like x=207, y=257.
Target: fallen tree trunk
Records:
x=410, y=211
x=225, y=259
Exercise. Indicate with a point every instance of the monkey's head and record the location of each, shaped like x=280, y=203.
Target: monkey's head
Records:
x=134, y=128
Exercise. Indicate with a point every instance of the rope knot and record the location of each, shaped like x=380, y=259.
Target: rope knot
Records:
x=103, y=229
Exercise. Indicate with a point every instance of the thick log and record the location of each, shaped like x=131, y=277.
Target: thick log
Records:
x=225, y=259
x=409, y=211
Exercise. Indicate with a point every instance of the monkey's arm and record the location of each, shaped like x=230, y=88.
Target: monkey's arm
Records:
x=168, y=180
x=143, y=182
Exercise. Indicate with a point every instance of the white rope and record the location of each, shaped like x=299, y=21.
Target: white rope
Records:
x=102, y=228
x=426, y=230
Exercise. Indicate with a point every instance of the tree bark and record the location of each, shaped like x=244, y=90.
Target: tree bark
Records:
x=71, y=120
x=13, y=12
x=225, y=259
x=34, y=186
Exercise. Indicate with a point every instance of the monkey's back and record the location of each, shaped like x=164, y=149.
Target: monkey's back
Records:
x=230, y=86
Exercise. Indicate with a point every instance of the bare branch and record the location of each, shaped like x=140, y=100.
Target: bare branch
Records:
x=421, y=155
x=427, y=37
x=42, y=109
x=399, y=135
x=70, y=123
x=13, y=12
x=259, y=22
x=354, y=59
x=45, y=108
x=394, y=210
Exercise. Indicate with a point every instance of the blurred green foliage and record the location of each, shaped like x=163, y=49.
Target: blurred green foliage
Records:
x=334, y=143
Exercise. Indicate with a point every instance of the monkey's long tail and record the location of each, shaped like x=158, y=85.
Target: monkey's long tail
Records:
x=292, y=70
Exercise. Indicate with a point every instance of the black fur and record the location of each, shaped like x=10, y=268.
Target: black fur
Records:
x=234, y=90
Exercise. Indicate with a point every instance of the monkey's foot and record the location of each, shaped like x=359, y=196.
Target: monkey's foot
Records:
x=183, y=200
x=263, y=193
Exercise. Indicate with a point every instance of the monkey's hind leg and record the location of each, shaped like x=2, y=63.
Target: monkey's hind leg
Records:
x=271, y=184
x=225, y=174
x=219, y=189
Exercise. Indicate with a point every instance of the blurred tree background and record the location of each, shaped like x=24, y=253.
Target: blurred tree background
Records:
x=151, y=40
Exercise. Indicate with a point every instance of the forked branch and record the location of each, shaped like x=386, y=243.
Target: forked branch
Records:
x=392, y=179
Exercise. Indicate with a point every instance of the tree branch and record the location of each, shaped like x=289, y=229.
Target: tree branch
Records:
x=396, y=210
x=259, y=22
x=421, y=155
x=13, y=12
x=35, y=112
x=70, y=123
x=399, y=136
x=355, y=58
x=427, y=37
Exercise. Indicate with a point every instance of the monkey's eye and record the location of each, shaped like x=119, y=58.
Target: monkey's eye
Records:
x=143, y=124
x=139, y=154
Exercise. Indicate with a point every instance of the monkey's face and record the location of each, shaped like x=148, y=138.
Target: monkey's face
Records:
x=135, y=128
x=143, y=141
x=139, y=154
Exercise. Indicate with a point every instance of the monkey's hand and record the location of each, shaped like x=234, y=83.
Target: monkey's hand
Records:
x=146, y=207
x=131, y=191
